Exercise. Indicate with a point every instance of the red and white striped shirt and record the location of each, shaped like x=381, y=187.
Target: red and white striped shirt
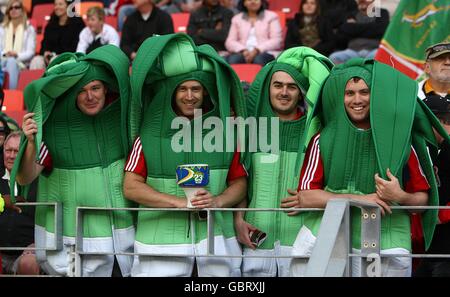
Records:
x=45, y=159
x=312, y=175
x=136, y=163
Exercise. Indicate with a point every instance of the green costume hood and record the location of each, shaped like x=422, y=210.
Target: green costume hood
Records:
x=310, y=70
x=64, y=77
x=398, y=120
x=165, y=61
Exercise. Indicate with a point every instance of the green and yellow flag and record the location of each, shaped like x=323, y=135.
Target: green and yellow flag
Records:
x=416, y=25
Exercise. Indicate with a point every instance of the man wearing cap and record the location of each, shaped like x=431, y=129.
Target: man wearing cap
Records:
x=361, y=155
x=437, y=68
x=76, y=143
x=172, y=79
x=436, y=91
x=278, y=92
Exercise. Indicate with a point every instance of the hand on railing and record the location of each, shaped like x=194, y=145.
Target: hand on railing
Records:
x=293, y=201
x=204, y=199
x=384, y=207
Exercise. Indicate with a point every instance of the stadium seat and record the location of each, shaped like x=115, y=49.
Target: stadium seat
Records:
x=5, y=79
x=246, y=72
x=112, y=21
x=282, y=17
x=27, y=5
x=13, y=101
x=39, y=38
x=180, y=21
x=27, y=76
x=289, y=7
x=41, y=14
x=17, y=115
x=83, y=7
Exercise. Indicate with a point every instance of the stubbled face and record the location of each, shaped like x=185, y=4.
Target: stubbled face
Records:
x=357, y=103
x=91, y=98
x=189, y=95
x=284, y=94
x=10, y=151
x=309, y=7
x=95, y=24
x=60, y=8
x=438, y=69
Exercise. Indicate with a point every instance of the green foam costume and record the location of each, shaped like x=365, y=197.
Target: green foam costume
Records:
x=161, y=64
x=352, y=156
x=270, y=178
x=88, y=155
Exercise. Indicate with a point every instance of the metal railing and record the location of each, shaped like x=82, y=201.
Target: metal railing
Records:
x=330, y=257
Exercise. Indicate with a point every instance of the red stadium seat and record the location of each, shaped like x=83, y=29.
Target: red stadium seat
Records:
x=246, y=72
x=5, y=79
x=111, y=20
x=289, y=7
x=13, y=101
x=39, y=38
x=17, y=115
x=180, y=21
x=27, y=76
x=41, y=14
x=83, y=7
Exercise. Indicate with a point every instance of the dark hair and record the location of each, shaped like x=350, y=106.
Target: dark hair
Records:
x=5, y=127
x=300, y=10
x=301, y=14
x=241, y=7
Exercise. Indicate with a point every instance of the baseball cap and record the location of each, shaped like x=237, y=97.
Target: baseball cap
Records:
x=437, y=104
x=437, y=50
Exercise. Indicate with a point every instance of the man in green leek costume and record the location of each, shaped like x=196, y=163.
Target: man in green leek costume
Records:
x=76, y=143
x=278, y=92
x=172, y=78
x=373, y=147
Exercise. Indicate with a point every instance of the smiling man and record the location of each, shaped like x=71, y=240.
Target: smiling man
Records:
x=278, y=92
x=79, y=160
x=186, y=77
x=347, y=160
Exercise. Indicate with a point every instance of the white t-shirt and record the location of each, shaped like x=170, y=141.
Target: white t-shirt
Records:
x=251, y=41
x=108, y=35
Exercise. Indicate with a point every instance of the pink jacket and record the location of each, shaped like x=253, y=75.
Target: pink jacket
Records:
x=268, y=33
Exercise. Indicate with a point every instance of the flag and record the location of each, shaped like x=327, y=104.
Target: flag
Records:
x=416, y=25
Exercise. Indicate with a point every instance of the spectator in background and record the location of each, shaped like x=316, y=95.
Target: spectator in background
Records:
x=121, y=8
x=17, y=227
x=338, y=11
x=97, y=33
x=231, y=5
x=17, y=41
x=362, y=33
x=255, y=35
x=435, y=93
x=309, y=28
x=4, y=132
x=61, y=35
x=143, y=23
x=210, y=24
x=183, y=6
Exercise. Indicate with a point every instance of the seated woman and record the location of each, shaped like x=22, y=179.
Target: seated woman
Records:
x=255, y=35
x=61, y=35
x=17, y=41
x=309, y=28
